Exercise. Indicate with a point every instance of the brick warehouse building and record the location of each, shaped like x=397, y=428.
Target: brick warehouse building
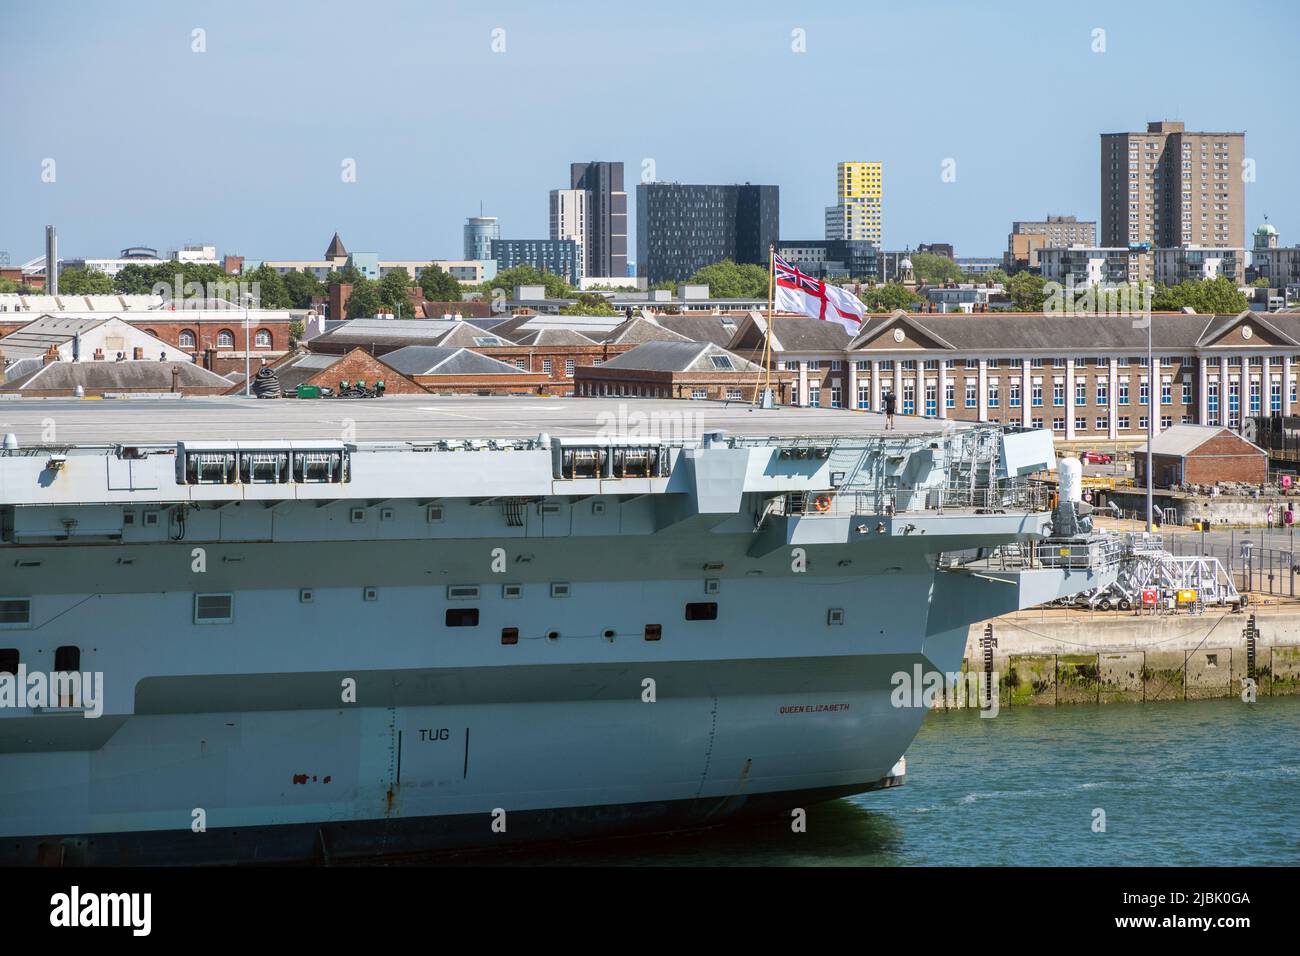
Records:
x=695, y=370
x=214, y=337
x=1201, y=455
x=1085, y=376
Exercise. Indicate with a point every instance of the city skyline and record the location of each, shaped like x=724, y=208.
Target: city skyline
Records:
x=186, y=146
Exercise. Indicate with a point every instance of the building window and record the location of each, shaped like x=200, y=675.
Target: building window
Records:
x=1166, y=421
x=1103, y=392
x=836, y=365
x=733, y=394
x=1254, y=398
x=187, y=339
x=262, y=339
x=1081, y=424
x=1101, y=423
x=864, y=396
x=949, y=395
x=1144, y=393
x=1035, y=423
x=1123, y=392
x=994, y=393
x=909, y=398
x=836, y=398
x=1234, y=404
x=568, y=367
x=1036, y=395
x=931, y=399
x=702, y=393
x=972, y=400
x=1013, y=393
x=1142, y=422
x=1058, y=424
x=546, y=366
x=814, y=396
x=521, y=364
x=1058, y=393
x=225, y=339
x=1081, y=393
x=1187, y=393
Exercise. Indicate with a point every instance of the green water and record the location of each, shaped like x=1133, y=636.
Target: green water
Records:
x=1181, y=783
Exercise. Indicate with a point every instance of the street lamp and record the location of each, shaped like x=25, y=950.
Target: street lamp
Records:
x=1151, y=408
x=247, y=351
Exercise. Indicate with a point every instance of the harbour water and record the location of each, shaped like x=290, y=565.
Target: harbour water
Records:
x=1214, y=782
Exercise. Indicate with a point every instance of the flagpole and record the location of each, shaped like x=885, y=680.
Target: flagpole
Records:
x=767, y=339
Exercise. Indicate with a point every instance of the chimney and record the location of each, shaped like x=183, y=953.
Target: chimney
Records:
x=209, y=358
x=51, y=355
x=51, y=261
x=339, y=295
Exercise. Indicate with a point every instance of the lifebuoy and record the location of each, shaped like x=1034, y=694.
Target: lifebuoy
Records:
x=822, y=503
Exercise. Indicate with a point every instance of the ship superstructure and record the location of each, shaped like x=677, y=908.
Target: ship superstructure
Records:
x=331, y=629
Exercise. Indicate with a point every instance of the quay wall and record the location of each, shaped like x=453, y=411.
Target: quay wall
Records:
x=1100, y=658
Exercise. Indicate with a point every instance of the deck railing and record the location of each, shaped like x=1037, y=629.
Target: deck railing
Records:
x=1003, y=496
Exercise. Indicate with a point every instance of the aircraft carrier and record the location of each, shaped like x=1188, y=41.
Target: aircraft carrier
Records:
x=332, y=629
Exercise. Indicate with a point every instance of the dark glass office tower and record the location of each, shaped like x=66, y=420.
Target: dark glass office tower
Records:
x=682, y=228
x=605, y=248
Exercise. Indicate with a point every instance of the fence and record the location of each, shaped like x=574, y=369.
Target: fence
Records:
x=1264, y=568
x=1004, y=495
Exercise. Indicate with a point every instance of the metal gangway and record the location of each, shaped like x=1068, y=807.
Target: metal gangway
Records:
x=1193, y=581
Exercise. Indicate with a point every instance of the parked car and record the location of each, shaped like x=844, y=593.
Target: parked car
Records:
x=1097, y=458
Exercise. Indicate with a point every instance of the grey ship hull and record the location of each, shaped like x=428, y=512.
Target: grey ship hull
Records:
x=456, y=737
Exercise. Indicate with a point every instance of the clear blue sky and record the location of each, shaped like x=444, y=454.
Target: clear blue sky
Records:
x=241, y=146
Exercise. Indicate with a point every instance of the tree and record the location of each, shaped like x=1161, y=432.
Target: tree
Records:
x=996, y=276
x=731, y=280
x=364, y=302
x=301, y=288
x=506, y=280
x=296, y=331
x=271, y=292
x=590, y=304
x=1206, y=296
x=1026, y=291
x=84, y=282
x=889, y=297
x=439, y=286
x=1260, y=283
x=392, y=289
x=348, y=275
x=9, y=285
x=934, y=269
x=134, y=279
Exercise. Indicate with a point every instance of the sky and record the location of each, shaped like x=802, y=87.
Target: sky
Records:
x=443, y=105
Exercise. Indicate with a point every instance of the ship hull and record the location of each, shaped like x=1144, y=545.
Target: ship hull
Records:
x=594, y=756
